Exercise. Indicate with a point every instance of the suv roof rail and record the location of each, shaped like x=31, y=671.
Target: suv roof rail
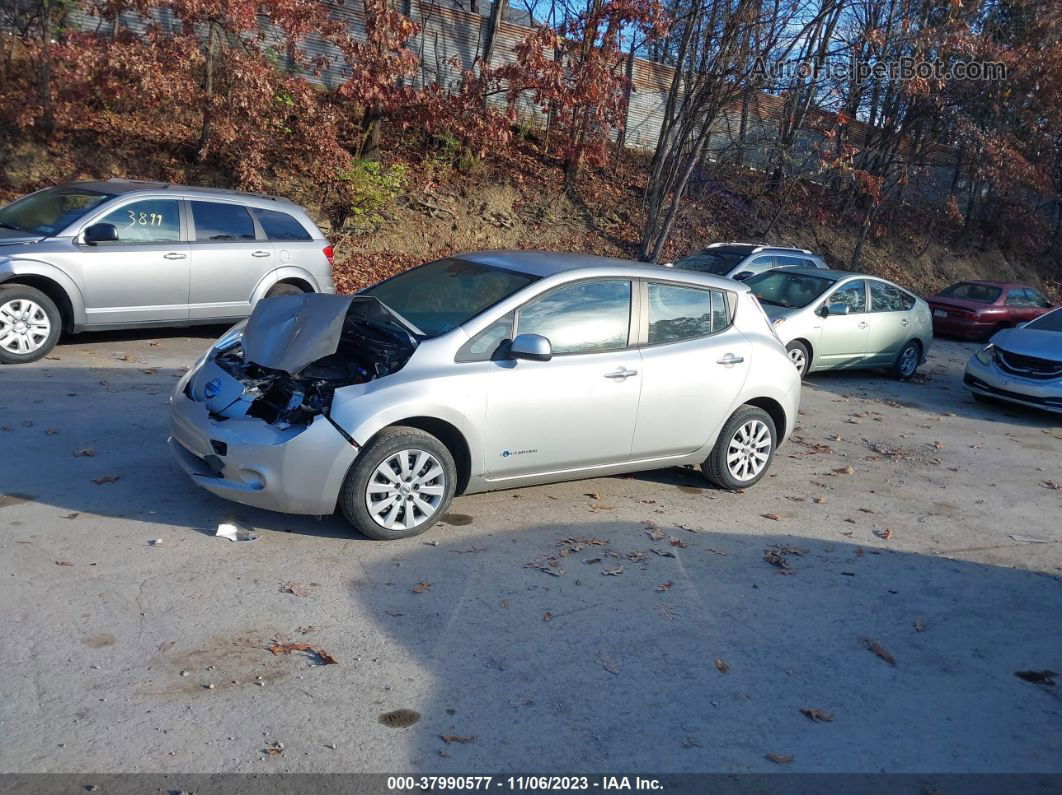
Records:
x=205, y=189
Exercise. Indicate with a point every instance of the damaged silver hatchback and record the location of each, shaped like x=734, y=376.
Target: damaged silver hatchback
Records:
x=480, y=372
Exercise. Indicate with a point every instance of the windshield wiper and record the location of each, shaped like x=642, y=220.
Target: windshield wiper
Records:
x=769, y=301
x=9, y=226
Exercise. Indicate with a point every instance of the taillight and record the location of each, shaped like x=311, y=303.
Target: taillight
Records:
x=330, y=255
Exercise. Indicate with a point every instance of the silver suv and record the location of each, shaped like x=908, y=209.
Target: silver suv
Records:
x=480, y=372
x=126, y=253
x=741, y=260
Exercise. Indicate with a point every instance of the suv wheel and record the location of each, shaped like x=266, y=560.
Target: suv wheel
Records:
x=744, y=450
x=29, y=324
x=399, y=485
x=283, y=289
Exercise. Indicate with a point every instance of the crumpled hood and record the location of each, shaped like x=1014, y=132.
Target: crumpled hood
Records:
x=289, y=332
x=1030, y=342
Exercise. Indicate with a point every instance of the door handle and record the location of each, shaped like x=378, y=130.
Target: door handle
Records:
x=174, y=255
x=863, y=324
x=731, y=359
x=623, y=372
x=260, y=254
x=905, y=322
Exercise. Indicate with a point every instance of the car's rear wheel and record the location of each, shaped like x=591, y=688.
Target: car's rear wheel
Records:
x=399, y=485
x=29, y=324
x=744, y=450
x=799, y=356
x=283, y=288
x=907, y=361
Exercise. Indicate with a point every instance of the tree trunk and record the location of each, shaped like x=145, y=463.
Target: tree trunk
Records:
x=621, y=138
x=208, y=90
x=497, y=14
x=45, y=76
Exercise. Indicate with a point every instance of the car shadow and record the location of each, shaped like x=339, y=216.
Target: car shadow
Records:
x=937, y=388
x=206, y=332
x=592, y=646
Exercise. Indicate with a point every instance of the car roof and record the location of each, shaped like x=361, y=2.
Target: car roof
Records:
x=119, y=187
x=754, y=248
x=551, y=263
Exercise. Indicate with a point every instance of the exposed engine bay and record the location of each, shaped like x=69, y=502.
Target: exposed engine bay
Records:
x=295, y=351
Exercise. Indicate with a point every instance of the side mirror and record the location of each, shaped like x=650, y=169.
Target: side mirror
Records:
x=101, y=233
x=531, y=346
x=835, y=309
x=669, y=265
x=742, y=276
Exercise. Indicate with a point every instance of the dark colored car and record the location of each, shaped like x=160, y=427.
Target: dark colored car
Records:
x=978, y=309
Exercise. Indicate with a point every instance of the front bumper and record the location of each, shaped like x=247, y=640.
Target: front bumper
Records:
x=988, y=379
x=244, y=459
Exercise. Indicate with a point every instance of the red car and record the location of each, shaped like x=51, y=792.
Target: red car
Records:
x=977, y=309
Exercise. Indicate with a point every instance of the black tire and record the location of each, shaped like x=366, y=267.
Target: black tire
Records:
x=283, y=289
x=715, y=467
x=353, y=497
x=902, y=369
x=799, y=355
x=14, y=299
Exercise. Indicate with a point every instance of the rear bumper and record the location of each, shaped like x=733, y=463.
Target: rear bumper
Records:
x=957, y=327
x=987, y=379
x=294, y=470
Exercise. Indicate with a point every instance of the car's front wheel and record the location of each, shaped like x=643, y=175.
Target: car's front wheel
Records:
x=799, y=356
x=399, y=485
x=29, y=324
x=744, y=450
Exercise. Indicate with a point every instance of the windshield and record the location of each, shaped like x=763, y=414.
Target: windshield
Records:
x=1052, y=321
x=791, y=290
x=968, y=291
x=717, y=263
x=48, y=212
x=440, y=296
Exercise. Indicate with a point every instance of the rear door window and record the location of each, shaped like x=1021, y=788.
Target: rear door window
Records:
x=678, y=313
x=217, y=222
x=885, y=298
x=147, y=221
x=1017, y=297
x=281, y=226
x=1036, y=299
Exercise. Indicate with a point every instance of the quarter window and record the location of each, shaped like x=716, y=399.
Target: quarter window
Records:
x=791, y=262
x=217, y=222
x=148, y=221
x=678, y=313
x=281, y=226
x=1036, y=299
x=853, y=294
x=482, y=347
x=581, y=318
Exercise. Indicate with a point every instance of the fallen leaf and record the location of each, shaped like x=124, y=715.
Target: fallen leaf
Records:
x=780, y=759
x=73, y=515
x=149, y=370
x=294, y=588
x=816, y=714
x=608, y=663
x=51, y=431
x=689, y=742
x=84, y=452
x=547, y=616
x=919, y=625
x=848, y=470
x=818, y=500
x=613, y=572
x=878, y=649
x=127, y=357
x=678, y=542
x=722, y=666
x=666, y=586
x=664, y=553
x=276, y=749
x=63, y=563
x=422, y=586
x=288, y=648
x=887, y=534
x=772, y=516
x=504, y=603
x=1037, y=677
x=655, y=533
x=599, y=507
x=105, y=479
x=1051, y=484
x=593, y=495
x=938, y=445
x=456, y=738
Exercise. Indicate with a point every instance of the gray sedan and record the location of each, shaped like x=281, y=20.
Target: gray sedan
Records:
x=480, y=372
x=1021, y=365
x=128, y=254
x=830, y=319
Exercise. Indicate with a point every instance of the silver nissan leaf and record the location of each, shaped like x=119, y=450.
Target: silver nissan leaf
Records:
x=479, y=372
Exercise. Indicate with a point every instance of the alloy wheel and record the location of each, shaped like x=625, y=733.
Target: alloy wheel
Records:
x=908, y=361
x=799, y=360
x=24, y=326
x=405, y=490
x=749, y=450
